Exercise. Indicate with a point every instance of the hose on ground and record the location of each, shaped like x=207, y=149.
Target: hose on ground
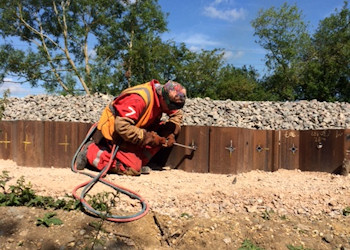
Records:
x=88, y=185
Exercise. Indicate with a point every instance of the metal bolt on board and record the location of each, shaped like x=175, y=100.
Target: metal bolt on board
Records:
x=293, y=149
x=230, y=148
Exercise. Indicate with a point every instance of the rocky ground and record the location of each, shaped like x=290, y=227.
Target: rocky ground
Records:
x=287, y=209
x=297, y=115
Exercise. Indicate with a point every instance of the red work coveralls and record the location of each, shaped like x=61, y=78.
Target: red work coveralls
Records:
x=132, y=106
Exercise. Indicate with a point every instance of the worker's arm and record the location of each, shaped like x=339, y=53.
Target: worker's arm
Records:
x=129, y=110
x=176, y=118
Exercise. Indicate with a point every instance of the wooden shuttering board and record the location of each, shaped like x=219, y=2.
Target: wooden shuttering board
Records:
x=29, y=143
x=347, y=144
x=6, y=140
x=239, y=150
x=62, y=140
x=321, y=150
x=41, y=144
x=229, y=150
x=262, y=150
x=222, y=150
x=286, y=149
x=187, y=159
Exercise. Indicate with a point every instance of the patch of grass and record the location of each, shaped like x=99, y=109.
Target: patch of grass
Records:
x=185, y=215
x=346, y=211
x=248, y=245
x=48, y=220
x=283, y=217
x=266, y=215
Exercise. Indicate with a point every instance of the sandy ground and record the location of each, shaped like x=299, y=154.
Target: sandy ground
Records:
x=172, y=193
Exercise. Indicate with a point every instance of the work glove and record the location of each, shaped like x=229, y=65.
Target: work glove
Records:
x=153, y=139
x=177, y=129
x=170, y=140
x=169, y=128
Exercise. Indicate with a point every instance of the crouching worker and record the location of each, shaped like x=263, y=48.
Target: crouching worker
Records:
x=133, y=121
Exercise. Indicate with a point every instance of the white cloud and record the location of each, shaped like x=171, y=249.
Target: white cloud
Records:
x=199, y=40
x=229, y=54
x=18, y=90
x=13, y=87
x=194, y=48
x=222, y=9
x=228, y=15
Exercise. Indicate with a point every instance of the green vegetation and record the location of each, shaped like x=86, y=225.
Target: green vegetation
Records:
x=48, y=220
x=3, y=102
x=248, y=245
x=22, y=195
x=346, y=211
x=103, y=201
x=128, y=50
x=266, y=215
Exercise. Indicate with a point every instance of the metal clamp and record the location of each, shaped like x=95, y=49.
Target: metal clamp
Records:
x=293, y=149
x=230, y=148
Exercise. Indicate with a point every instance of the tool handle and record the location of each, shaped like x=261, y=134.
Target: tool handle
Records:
x=185, y=146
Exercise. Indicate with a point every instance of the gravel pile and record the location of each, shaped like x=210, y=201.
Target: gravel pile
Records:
x=299, y=115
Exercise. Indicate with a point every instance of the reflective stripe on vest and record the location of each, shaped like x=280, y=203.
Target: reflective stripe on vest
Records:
x=106, y=122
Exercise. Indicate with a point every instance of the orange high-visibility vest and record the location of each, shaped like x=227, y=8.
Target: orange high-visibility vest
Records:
x=106, y=122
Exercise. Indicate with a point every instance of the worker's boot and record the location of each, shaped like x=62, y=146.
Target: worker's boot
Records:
x=81, y=161
x=146, y=170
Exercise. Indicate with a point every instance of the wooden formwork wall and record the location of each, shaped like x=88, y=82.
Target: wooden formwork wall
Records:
x=221, y=150
x=237, y=150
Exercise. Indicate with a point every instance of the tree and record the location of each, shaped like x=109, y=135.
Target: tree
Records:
x=93, y=42
x=327, y=72
x=58, y=35
x=282, y=33
x=239, y=84
x=199, y=71
x=131, y=45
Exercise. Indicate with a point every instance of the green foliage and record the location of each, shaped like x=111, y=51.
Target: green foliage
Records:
x=57, y=35
x=103, y=201
x=346, y=211
x=198, y=72
x=282, y=33
x=76, y=47
x=248, y=245
x=266, y=215
x=48, y=220
x=186, y=216
x=3, y=102
x=304, y=66
x=21, y=194
x=283, y=217
x=4, y=178
x=239, y=84
x=326, y=75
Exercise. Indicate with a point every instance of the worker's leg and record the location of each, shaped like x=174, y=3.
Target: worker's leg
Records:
x=126, y=162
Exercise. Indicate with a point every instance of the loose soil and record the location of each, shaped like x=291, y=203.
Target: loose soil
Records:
x=286, y=209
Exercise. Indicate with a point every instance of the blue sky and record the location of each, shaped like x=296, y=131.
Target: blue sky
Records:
x=225, y=24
